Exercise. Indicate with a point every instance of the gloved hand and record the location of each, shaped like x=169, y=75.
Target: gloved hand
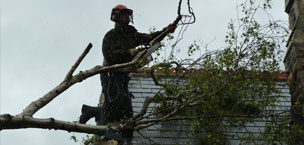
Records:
x=171, y=28
x=133, y=51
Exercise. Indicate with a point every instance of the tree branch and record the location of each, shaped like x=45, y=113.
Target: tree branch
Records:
x=16, y=122
x=81, y=57
x=143, y=109
x=41, y=102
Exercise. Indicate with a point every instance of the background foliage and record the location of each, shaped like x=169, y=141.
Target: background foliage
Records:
x=231, y=87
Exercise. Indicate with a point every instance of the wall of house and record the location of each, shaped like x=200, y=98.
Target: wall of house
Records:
x=179, y=132
x=294, y=59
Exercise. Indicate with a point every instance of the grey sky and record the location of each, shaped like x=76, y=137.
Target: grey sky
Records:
x=41, y=39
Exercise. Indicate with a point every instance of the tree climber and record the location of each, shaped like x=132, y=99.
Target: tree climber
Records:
x=119, y=46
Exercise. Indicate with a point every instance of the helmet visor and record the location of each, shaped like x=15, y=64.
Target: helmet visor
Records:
x=126, y=11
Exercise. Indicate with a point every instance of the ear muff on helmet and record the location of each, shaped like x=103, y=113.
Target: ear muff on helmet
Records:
x=115, y=17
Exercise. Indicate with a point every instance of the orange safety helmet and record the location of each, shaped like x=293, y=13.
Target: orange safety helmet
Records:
x=121, y=9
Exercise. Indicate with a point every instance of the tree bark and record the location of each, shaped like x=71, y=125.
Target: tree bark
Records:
x=8, y=121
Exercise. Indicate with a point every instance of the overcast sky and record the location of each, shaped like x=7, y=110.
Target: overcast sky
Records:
x=41, y=39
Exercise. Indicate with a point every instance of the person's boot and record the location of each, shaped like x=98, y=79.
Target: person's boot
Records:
x=88, y=112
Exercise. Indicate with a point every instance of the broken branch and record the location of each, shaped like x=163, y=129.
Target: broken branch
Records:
x=81, y=57
x=48, y=97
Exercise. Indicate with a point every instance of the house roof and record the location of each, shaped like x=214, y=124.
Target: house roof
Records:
x=280, y=75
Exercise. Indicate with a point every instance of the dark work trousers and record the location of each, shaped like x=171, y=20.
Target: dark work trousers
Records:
x=117, y=104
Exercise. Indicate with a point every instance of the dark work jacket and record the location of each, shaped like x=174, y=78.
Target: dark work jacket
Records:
x=115, y=48
x=118, y=41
